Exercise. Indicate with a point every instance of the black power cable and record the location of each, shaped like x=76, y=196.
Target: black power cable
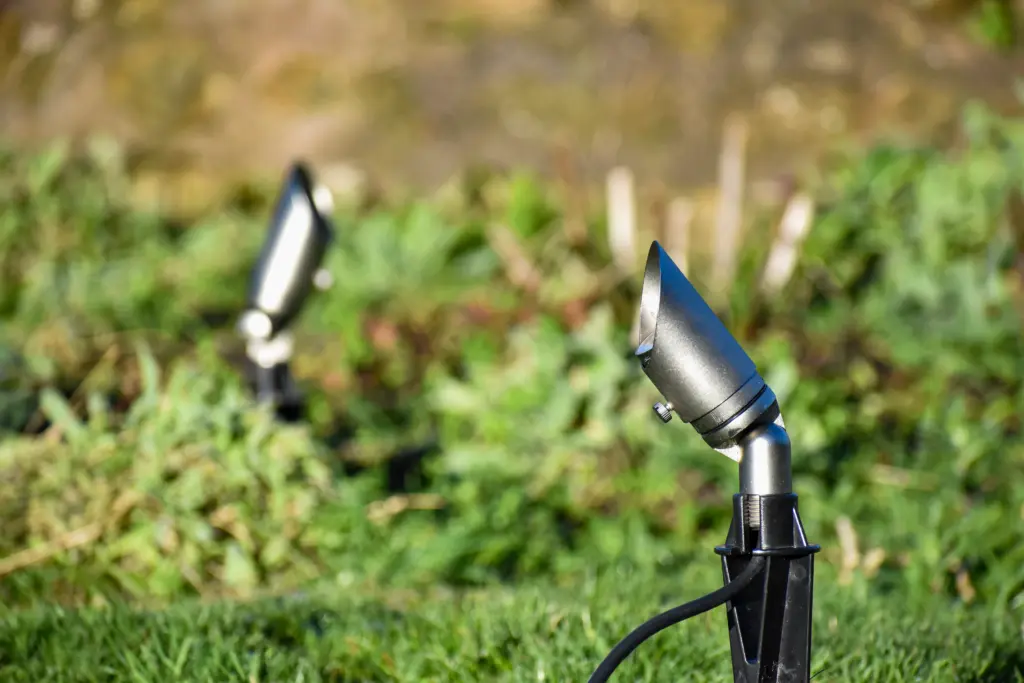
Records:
x=674, y=616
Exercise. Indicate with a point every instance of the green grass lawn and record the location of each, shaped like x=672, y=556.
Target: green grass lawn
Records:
x=480, y=490
x=528, y=633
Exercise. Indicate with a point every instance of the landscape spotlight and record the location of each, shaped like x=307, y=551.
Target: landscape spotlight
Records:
x=708, y=380
x=285, y=274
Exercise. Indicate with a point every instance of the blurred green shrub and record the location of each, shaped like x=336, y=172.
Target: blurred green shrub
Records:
x=483, y=335
x=189, y=488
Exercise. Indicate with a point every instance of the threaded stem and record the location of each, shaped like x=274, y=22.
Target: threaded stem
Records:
x=753, y=507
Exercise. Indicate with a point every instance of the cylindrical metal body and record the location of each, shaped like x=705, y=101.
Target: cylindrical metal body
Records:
x=766, y=462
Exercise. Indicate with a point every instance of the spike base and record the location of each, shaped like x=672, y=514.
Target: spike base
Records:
x=770, y=621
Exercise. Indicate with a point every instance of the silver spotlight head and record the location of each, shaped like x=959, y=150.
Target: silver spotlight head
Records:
x=697, y=365
x=288, y=266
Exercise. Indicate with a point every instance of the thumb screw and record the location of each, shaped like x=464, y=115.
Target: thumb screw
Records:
x=663, y=411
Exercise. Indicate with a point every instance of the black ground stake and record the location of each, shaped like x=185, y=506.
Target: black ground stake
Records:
x=770, y=620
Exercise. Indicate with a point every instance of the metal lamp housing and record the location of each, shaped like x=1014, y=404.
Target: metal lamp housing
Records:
x=285, y=271
x=697, y=365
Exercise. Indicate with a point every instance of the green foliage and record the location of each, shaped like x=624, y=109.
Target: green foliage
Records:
x=895, y=351
x=912, y=287
x=77, y=261
x=190, y=489
x=995, y=23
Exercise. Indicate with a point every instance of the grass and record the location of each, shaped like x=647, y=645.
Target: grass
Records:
x=480, y=490
x=529, y=634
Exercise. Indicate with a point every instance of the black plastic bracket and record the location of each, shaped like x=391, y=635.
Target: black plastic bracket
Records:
x=275, y=386
x=770, y=621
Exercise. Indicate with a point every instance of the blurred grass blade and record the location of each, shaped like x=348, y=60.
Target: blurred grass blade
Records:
x=61, y=416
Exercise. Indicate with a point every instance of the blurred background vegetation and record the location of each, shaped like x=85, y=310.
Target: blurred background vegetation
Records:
x=480, y=490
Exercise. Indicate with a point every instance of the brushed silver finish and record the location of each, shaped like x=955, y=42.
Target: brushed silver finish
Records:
x=285, y=272
x=766, y=462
